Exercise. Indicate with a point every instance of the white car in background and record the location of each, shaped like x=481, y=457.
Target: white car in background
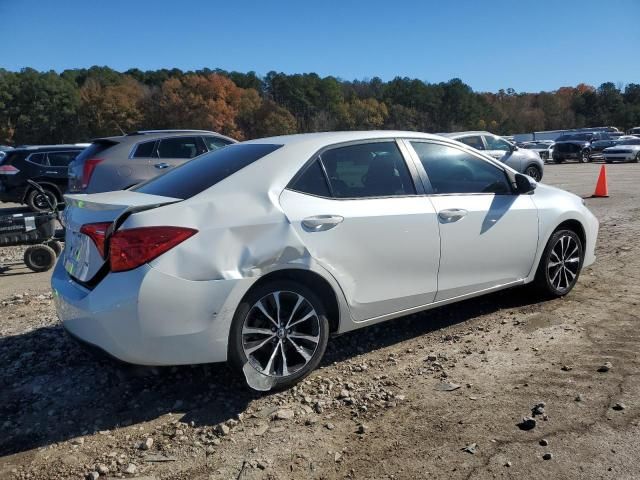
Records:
x=257, y=252
x=623, y=151
x=544, y=148
x=521, y=160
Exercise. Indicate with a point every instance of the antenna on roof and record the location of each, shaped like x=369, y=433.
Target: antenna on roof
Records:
x=121, y=130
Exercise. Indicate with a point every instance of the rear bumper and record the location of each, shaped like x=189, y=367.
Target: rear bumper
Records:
x=146, y=317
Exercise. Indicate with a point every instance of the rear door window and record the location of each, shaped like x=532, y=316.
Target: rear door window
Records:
x=144, y=149
x=60, y=159
x=179, y=147
x=312, y=181
x=474, y=141
x=197, y=175
x=367, y=170
x=38, y=158
x=214, y=143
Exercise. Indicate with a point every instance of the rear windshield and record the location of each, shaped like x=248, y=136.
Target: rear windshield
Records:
x=94, y=150
x=202, y=172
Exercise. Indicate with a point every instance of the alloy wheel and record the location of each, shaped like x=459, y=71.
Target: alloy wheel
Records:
x=563, y=264
x=533, y=172
x=281, y=333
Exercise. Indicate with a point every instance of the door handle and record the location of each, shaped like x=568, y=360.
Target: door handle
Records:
x=452, y=215
x=162, y=165
x=321, y=223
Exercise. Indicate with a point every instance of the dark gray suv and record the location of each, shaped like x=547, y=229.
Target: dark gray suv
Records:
x=117, y=163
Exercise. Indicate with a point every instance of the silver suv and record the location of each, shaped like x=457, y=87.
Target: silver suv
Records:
x=520, y=159
x=117, y=163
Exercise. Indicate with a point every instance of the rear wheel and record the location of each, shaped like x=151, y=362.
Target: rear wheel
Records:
x=534, y=172
x=38, y=202
x=637, y=158
x=560, y=264
x=39, y=258
x=279, y=334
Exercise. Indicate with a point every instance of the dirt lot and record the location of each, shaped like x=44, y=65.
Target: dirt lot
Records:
x=375, y=409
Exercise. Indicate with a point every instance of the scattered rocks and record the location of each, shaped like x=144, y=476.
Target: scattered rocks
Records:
x=330, y=426
x=362, y=429
x=566, y=368
x=146, y=444
x=472, y=448
x=544, y=442
x=579, y=398
x=283, y=414
x=538, y=409
x=102, y=469
x=547, y=456
x=93, y=475
x=222, y=429
x=605, y=367
x=619, y=406
x=447, y=387
x=527, y=423
x=131, y=469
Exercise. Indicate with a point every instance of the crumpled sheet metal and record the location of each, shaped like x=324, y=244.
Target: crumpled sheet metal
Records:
x=239, y=237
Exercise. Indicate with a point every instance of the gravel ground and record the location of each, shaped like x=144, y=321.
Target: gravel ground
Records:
x=503, y=386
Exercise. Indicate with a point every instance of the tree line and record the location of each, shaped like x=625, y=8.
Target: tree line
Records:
x=80, y=104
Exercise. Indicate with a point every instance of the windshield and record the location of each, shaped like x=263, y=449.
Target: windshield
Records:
x=630, y=142
x=575, y=136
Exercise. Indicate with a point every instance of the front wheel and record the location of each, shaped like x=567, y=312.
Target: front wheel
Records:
x=278, y=335
x=534, y=172
x=560, y=264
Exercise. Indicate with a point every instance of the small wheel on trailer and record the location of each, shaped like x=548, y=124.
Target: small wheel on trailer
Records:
x=55, y=245
x=39, y=258
x=37, y=202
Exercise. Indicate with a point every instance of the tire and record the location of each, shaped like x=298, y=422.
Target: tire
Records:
x=608, y=161
x=637, y=159
x=39, y=258
x=55, y=245
x=36, y=201
x=585, y=156
x=250, y=316
x=553, y=278
x=558, y=160
x=534, y=172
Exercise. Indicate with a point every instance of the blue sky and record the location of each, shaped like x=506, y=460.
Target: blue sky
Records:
x=526, y=45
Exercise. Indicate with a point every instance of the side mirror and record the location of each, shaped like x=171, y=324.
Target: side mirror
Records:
x=514, y=147
x=525, y=184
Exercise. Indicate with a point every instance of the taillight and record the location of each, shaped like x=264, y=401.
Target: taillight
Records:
x=97, y=233
x=128, y=249
x=87, y=170
x=8, y=170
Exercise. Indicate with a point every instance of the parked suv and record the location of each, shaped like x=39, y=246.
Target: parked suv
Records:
x=117, y=163
x=47, y=165
x=579, y=145
x=520, y=159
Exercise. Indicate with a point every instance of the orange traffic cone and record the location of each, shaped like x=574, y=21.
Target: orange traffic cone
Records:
x=601, y=186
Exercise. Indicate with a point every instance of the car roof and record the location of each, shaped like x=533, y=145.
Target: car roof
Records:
x=330, y=138
x=464, y=134
x=49, y=147
x=141, y=135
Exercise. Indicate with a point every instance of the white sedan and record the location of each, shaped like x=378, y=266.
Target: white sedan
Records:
x=258, y=252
